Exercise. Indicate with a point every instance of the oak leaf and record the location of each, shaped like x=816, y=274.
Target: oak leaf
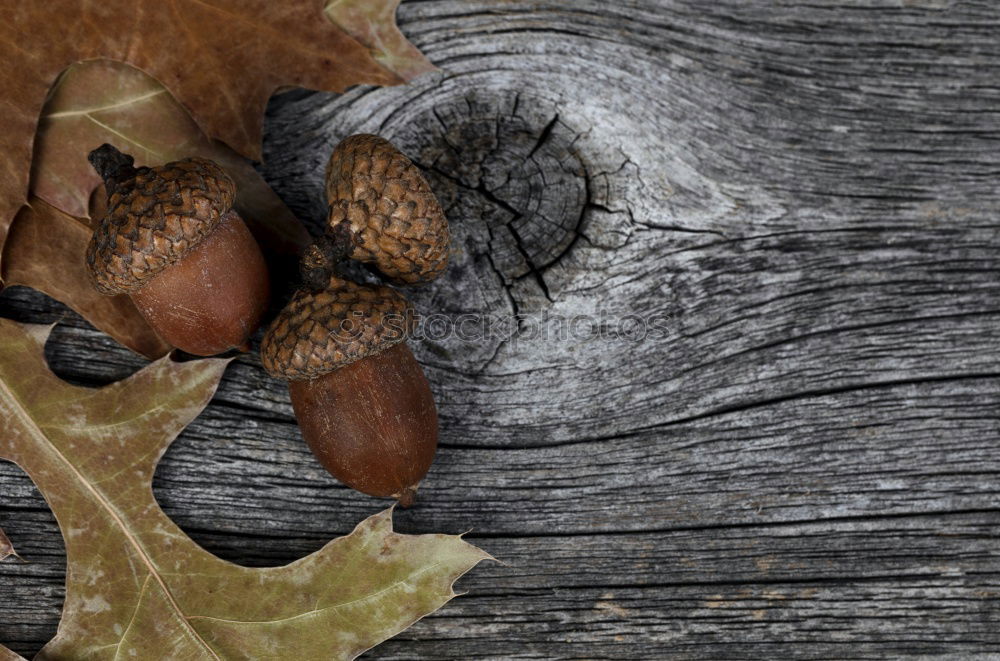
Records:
x=8, y=655
x=373, y=24
x=221, y=58
x=45, y=251
x=137, y=586
x=6, y=548
x=104, y=101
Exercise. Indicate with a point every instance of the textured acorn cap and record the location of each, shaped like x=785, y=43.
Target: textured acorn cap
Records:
x=319, y=332
x=395, y=220
x=155, y=216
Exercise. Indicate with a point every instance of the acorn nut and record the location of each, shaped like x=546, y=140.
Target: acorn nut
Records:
x=379, y=199
x=362, y=401
x=171, y=240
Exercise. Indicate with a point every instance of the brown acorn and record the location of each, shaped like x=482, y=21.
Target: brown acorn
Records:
x=171, y=240
x=362, y=401
x=382, y=203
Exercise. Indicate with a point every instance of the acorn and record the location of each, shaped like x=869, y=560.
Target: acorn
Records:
x=171, y=240
x=362, y=401
x=381, y=203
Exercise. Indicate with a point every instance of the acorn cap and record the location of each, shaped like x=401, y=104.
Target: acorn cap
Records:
x=321, y=331
x=155, y=216
x=395, y=220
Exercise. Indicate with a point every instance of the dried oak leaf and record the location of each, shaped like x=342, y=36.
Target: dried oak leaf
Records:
x=221, y=58
x=45, y=251
x=7, y=655
x=6, y=548
x=373, y=24
x=137, y=586
x=105, y=101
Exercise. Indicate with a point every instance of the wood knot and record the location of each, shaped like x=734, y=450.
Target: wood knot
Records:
x=512, y=183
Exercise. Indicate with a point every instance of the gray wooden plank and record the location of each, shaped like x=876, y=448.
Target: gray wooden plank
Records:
x=573, y=520
x=925, y=584
x=849, y=621
x=901, y=448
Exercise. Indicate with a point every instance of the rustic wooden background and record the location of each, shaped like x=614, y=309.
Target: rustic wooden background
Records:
x=801, y=461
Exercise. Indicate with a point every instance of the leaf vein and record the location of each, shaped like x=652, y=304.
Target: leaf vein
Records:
x=135, y=613
x=119, y=104
x=112, y=130
x=333, y=607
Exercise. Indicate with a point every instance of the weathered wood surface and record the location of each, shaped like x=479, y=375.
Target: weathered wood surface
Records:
x=802, y=461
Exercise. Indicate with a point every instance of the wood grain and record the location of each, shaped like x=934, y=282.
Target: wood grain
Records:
x=801, y=461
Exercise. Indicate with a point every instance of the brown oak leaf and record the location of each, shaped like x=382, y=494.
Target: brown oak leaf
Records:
x=104, y=101
x=373, y=24
x=45, y=251
x=222, y=59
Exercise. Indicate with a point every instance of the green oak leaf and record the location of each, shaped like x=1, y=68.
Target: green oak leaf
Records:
x=137, y=586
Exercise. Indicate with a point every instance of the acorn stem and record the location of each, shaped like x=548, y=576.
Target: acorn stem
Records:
x=320, y=259
x=407, y=496
x=114, y=167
